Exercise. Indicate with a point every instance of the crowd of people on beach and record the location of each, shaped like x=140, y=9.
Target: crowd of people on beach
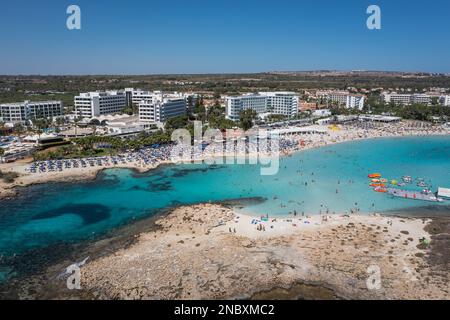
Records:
x=152, y=156
x=147, y=156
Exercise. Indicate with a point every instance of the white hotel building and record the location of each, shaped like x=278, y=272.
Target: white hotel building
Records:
x=162, y=107
x=94, y=104
x=444, y=101
x=23, y=111
x=136, y=96
x=405, y=99
x=351, y=101
x=355, y=102
x=284, y=103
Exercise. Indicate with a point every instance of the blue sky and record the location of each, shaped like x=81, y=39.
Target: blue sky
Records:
x=214, y=36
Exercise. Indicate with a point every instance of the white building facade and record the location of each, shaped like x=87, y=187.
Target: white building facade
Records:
x=127, y=125
x=355, y=102
x=136, y=96
x=94, y=104
x=336, y=96
x=284, y=103
x=406, y=99
x=234, y=105
x=351, y=101
x=421, y=98
x=24, y=111
x=444, y=101
x=160, y=109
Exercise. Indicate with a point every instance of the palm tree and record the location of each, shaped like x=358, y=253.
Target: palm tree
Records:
x=19, y=129
x=76, y=120
x=38, y=125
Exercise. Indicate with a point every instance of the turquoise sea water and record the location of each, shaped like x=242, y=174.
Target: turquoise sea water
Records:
x=46, y=214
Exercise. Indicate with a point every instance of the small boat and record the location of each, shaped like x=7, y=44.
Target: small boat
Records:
x=421, y=184
x=407, y=179
x=426, y=191
x=401, y=184
x=374, y=184
x=376, y=180
x=380, y=190
x=375, y=175
x=384, y=180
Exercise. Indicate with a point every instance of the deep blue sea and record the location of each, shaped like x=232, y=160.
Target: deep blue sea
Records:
x=332, y=178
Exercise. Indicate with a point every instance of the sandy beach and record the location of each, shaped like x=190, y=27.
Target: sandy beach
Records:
x=209, y=252
x=8, y=190
x=344, y=133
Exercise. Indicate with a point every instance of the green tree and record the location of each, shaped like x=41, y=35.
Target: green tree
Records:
x=176, y=123
x=215, y=114
x=18, y=128
x=247, y=117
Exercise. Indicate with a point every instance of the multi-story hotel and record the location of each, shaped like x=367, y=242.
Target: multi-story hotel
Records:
x=284, y=103
x=23, y=111
x=444, y=101
x=135, y=96
x=350, y=101
x=355, y=102
x=234, y=105
x=336, y=96
x=421, y=98
x=405, y=99
x=93, y=104
x=161, y=107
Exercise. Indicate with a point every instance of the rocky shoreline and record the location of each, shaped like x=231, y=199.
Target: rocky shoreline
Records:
x=189, y=253
x=193, y=255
